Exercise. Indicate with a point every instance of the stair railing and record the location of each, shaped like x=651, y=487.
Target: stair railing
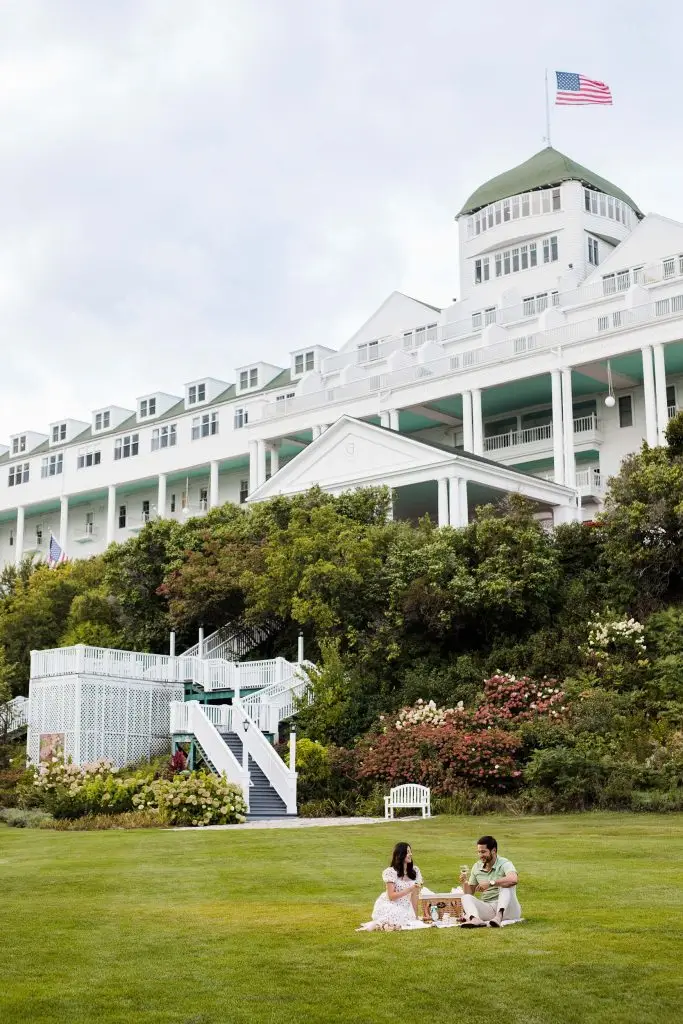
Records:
x=190, y=717
x=280, y=777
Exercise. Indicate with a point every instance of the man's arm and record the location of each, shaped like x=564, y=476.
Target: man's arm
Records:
x=506, y=882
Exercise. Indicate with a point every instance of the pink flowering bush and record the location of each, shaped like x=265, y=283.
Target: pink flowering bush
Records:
x=509, y=701
x=443, y=757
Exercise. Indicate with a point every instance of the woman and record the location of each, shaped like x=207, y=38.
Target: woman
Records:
x=398, y=905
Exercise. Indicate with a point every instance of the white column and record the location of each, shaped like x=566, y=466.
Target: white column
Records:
x=161, y=496
x=454, y=508
x=650, y=397
x=477, y=423
x=261, y=462
x=558, y=439
x=213, y=485
x=568, y=418
x=63, y=521
x=464, y=507
x=443, y=502
x=19, y=539
x=468, y=438
x=660, y=393
x=274, y=459
x=253, y=466
x=393, y=419
x=111, y=513
x=384, y=419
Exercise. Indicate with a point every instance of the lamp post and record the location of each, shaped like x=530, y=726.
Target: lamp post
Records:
x=300, y=648
x=245, y=752
x=292, y=747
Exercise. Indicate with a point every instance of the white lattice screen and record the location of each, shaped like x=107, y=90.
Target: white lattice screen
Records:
x=123, y=720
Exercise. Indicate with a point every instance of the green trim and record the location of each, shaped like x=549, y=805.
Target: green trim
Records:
x=543, y=170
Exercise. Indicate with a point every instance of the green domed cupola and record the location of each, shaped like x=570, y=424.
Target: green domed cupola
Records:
x=543, y=170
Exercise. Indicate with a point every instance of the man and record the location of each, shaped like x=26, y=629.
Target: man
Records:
x=496, y=879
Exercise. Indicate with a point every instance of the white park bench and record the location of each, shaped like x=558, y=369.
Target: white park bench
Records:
x=408, y=796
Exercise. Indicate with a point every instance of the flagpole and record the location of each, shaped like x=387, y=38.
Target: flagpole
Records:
x=547, y=110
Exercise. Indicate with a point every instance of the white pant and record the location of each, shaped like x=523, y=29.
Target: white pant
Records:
x=486, y=910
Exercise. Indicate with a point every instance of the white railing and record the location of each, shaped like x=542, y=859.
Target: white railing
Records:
x=280, y=777
x=14, y=715
x=672, y=410
x=279, y=700
x=589, y=481
x=447, y=365
x=534, y=435
x=191, y=718
x=230, y=642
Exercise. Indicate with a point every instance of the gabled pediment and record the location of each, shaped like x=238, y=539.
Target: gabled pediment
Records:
x=350, y=451
x=396, y=314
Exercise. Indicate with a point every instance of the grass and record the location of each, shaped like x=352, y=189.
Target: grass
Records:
x=211, y=927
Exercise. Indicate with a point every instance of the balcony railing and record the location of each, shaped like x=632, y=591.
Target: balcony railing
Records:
x=671, y=411
x=536, y=435
x=450, y=365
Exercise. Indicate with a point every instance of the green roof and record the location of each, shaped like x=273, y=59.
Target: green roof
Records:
x=543, y=170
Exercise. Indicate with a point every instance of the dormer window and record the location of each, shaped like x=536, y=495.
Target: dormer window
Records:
x=148, y=407
x=102, y=420
x=304, y=362
x=18, y=444
x=58, y=433
x=248, y=378
x=196, y=393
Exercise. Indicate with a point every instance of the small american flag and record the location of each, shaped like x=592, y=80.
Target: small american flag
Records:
x=577, y=90
x=55, y=555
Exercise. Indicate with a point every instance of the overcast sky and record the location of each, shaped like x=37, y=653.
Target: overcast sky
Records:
x=189, y=185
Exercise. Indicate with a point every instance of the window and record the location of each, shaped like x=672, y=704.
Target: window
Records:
x=145, y=511
x=164, y=437
x=59, y=433
x=173, y=503
x=196, y=393
x=534, y=304
x=126, y=446
x=606, y=206
x=18, y=444
x=122, y=517
x=556, y=199
x=506, y=209
x=368, y=351
x=11, y=538
x=515, y=260
x=476, y=321
x=283, y=398
x=244, y=491
x=102, y=420
x=499, y=264
x=477, y=272
x=203, y=498
x=248, y=378
x=241, y=418
x=203, y=426
x=638, y=275
x=532, y=254
x=89, y=525
x=671, y=403
x=625, y=411
x=524, y=257
x=87, y=457
x=550, y=249
x=148, y=407
x=18, y=474
x=39, y=536
x=506, y=263
x=305, y=361
x=593, y=251
x=515, y=207
x=490, y=316
x=52, y=465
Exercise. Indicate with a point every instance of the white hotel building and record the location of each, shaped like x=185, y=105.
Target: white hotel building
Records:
x=562, y=354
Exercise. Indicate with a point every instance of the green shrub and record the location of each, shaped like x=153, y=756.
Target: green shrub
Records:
x=194, y=798
x=72, y=791
x=99, y=822
x=18, y=818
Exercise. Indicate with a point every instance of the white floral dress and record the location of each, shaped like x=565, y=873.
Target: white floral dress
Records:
x=398, y=911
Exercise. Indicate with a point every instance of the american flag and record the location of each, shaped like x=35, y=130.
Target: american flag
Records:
x=577, y=90
x=55, y=555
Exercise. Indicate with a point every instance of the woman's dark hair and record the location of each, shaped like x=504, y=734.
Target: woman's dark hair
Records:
x=398, y=859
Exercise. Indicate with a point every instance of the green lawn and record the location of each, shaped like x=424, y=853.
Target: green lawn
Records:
x=212, y=927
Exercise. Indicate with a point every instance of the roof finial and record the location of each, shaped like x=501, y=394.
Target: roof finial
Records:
x=547, y=112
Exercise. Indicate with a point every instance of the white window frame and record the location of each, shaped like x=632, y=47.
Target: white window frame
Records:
x=52, y=465
x=19, y=473
x=87, y=457
x=126, y=447
x=205, y=425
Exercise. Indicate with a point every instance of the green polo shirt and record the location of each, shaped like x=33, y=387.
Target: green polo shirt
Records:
x=501, y=868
